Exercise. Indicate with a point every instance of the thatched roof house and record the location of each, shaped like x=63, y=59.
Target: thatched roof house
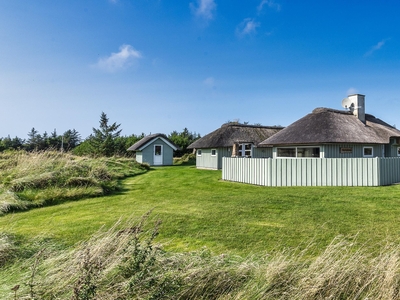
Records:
x=232, y=139
x=325, y=125
x=154, y=149
x=336, y=133
x=231, y=133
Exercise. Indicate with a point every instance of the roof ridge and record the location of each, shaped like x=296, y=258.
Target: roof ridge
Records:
x=252, y=126
x=326, y=109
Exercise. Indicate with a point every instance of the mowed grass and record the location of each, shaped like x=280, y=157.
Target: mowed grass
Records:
x=200, y=210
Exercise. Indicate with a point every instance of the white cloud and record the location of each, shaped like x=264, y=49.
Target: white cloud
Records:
x=247, y=26
x=126, y=56
x=376, y=47
x=270, y=4
x=204, y=9
x=209, y=82
x=352, y=91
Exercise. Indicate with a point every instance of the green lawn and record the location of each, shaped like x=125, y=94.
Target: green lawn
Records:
x=198, y=209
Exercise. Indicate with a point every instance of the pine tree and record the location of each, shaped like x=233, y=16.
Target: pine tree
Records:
x=102, y=141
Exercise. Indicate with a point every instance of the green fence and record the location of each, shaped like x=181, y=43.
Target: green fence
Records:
x=312, y=171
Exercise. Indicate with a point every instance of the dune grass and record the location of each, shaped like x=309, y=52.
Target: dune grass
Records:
x=198, y=209
x=230, y=240
x=123, y=262
x=35, y=179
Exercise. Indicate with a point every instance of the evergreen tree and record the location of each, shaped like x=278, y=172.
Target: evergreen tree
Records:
x=102, y=141
x=34, y=141
x=183, y=140
x=71, y=139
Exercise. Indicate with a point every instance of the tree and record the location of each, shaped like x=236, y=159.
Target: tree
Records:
x=34, y=141
x=102, y=141
x=183, y=140
x=70, y=139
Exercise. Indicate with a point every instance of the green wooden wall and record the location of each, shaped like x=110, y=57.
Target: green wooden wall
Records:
x=312, y=171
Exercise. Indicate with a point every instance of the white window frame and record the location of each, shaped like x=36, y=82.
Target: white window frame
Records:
x=296, y=147
x=398, y=151
x=242, y=149
x=372, y=151
x=198, y=152
x=215, y=152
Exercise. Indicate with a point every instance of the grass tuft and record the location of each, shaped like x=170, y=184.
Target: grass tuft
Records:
x=125, y=263
x=40, y=178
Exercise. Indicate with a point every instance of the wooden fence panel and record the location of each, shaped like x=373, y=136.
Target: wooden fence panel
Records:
x=312, y=172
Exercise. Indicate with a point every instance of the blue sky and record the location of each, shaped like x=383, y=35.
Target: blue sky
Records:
x=162, y=65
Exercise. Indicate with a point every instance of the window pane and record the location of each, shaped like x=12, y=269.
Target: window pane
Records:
x=157, y=150
x=286, y=152
x=368, y=151
x=308, y=152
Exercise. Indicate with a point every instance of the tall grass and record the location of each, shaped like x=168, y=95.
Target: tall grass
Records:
x=125, y=263
x=40, y=178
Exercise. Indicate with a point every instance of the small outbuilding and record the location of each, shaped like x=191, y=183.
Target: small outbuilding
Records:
x=154, y=149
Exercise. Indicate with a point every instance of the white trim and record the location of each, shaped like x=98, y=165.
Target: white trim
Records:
x=296, y=147
x=161, y=155
x=215, y=154
x=155, y=139
x=242, y=149
x=372, y=151
x=398, y=152
x=198, y=152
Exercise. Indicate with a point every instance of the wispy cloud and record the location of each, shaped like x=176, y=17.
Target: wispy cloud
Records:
x=352, y=91
x=269, y=3
x=209, y=82
x=204, y=9
x=246, y=27
x=376, y=47
x=126, y=56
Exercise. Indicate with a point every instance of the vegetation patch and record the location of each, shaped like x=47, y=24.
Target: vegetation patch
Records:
x=31, y=179
x=124, y=262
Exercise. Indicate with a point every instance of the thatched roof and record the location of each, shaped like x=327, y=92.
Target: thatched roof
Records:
x=231, y=133
x=325, y=125
x=148, y=139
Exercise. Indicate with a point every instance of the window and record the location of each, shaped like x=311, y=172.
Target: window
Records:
x=368, y=152
x=308, y=152
x=299, y=152
x=157, y=150
x=398, y=151
x=286, y=152
x=213, y=152
x=346, y=150
x=245, y=150
x=199, y=152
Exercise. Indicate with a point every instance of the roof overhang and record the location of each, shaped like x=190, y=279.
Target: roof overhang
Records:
x=156, y=138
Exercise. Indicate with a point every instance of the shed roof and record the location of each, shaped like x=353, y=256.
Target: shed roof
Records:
x=138, y=146
x=233, y=132
x=325, y=125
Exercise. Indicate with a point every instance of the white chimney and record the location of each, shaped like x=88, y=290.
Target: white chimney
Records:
x=358, y=106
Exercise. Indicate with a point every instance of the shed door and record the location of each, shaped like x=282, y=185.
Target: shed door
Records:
x=158, y=155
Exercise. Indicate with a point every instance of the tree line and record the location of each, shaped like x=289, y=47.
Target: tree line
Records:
x=106, y=140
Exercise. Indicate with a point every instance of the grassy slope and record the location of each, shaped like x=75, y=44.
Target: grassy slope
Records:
x=197, y=209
